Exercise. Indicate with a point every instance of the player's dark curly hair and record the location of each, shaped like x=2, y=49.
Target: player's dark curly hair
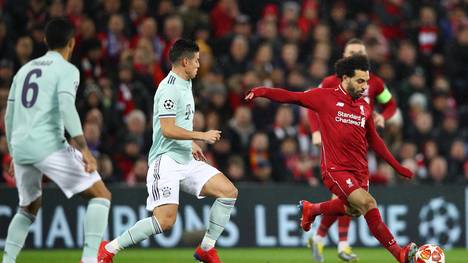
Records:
x=182, y=48
x=347, y=66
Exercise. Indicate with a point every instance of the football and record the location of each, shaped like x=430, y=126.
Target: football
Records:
x=429, y=254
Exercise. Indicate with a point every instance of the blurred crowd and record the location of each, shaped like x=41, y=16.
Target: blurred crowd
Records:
x=419, y=48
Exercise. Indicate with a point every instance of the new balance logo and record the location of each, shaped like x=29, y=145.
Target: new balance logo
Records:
x=340, y=104
x=349, y=182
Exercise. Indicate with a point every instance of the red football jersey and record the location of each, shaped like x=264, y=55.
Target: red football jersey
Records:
x=347, y=128
x=376, y=87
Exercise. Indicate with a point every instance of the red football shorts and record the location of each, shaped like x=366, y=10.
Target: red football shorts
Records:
x=343, y=183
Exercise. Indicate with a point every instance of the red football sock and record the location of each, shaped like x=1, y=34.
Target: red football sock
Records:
x=335, y=207
x=381, y=232
x=343, y=227
x=325, y=224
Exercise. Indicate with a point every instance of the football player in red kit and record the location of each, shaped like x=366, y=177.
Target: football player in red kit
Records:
x=347, y=128
x=377, y=92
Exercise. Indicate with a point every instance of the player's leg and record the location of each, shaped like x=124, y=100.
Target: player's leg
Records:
x=225, y=193
x=163, y=219
x=28, y=182
x=204, y=180
x=345, y=251
x=363, y=201
x=95, y=221
x=65, y=167
x=333, y=207
x=316, y=242
x=163, y=198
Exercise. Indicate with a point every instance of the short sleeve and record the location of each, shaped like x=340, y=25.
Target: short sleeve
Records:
x=167, y=103
x=69, y=81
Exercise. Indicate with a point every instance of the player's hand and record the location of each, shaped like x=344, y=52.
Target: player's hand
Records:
x=255, y=92
x=11, y=168
x=89, y=161
x=317, y=138
x=379, y=120
x=197, y=152
x=212, y=136
x=405, y=172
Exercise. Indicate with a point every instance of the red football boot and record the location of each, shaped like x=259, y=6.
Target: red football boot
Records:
x=307, y=217
x=407, y=253
x=104, y=256
x=209, y=256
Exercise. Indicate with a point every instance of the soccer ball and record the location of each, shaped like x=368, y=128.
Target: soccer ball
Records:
x=429, y=254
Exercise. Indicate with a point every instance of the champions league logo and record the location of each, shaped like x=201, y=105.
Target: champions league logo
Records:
x=440, y=223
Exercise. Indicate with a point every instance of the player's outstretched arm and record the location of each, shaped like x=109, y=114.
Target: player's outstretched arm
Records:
x=171, y=130
x=305, y=99
x=378, y=145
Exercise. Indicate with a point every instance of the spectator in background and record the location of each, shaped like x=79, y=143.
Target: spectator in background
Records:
x=236, y=168
x=126, y=155
x=37, y=36
x=138, y=173
x=282, y=128
x=207, y=61
x=457, y=63
x=137, y=14
x=406, y=60
x=236, y=61
x=240, y=129
x=113, y=40
x=438, y=171
x=86, y=31
x=92, y=62
x=422, y=129
x=309, y=18
x=23, y=51
x=108, y=8
x=448, y=133
x=268, y=32
x=6, y=72
x=92, y=134
x=383, y=176
x=290, y=165
x=132, y=93
x=74, y=12
x=6, y=46
x=456, y=160
x=289, y=57
x=223, y=16
x=259, y=158
x=148, y=30
x=165, y=8
x=106, y=169
x=427, y=33
x=192, y=16
x=173, y=29
x=262, y=61
x=56, y=9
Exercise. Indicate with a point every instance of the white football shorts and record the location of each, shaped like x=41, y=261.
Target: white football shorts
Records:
x=64, y=167
x=165, y=176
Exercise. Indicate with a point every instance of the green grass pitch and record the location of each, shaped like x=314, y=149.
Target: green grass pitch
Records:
x=245, y=255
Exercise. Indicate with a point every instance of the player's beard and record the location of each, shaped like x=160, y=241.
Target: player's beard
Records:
x=192, y=74
x=353, y=91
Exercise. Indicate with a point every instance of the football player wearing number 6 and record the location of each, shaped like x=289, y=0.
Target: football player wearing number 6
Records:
x=41, y=105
